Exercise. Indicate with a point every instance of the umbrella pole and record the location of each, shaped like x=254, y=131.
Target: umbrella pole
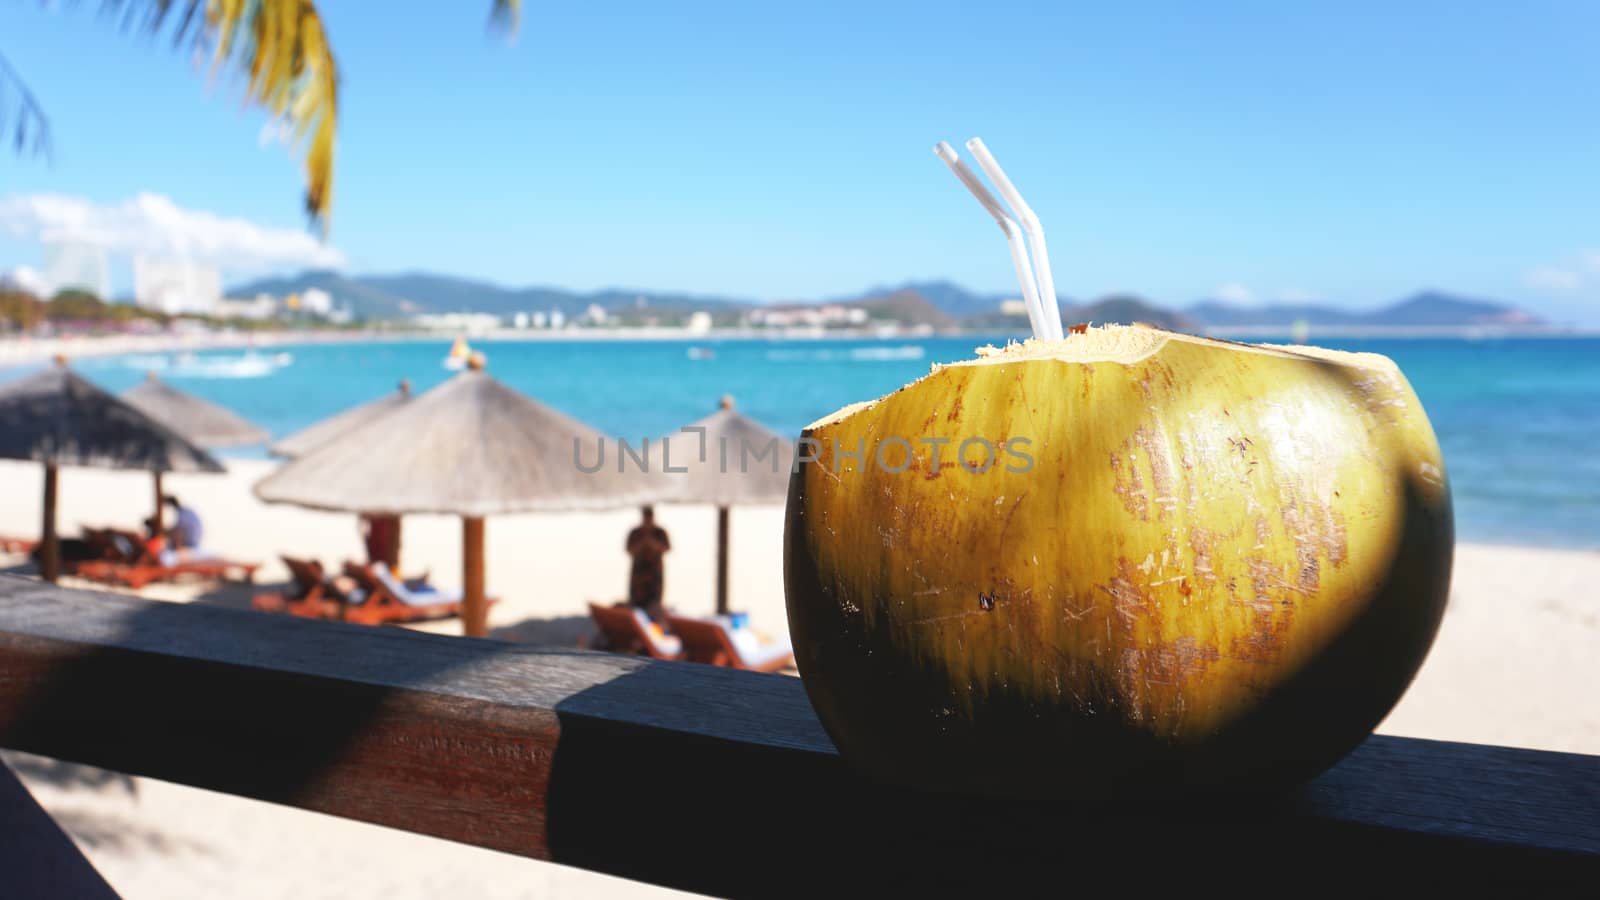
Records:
x=157, y=515
x=49, y=547
x=722, y=560
x=475, y=607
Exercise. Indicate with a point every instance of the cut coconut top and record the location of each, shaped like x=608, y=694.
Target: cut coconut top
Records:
x=1125, y=344
x=1131, y=343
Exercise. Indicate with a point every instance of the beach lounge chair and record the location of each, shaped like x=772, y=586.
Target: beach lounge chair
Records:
x=712, y=642
x=139, y=574
x=16, y=544
x=626, y=629
x=385, y=599
x=111, y=545
x=312, y=596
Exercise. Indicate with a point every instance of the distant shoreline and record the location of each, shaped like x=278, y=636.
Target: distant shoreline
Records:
x=15, y=351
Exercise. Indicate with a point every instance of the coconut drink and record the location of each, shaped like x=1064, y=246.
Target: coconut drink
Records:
x=1117, y=561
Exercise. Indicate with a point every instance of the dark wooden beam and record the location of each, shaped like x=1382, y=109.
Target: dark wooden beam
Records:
x=704, y=778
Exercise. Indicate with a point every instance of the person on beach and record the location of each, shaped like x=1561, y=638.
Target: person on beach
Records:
x=647, y=544
x=186, y=532
x=381, y=534
x=155, y=550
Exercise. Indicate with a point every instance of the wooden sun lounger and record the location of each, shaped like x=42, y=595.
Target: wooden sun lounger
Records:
x=311, y=597
x=380, y=606
x=707, y=642
x=104, y=545
x=16, y=544
x=138, y=575
x=624, y=633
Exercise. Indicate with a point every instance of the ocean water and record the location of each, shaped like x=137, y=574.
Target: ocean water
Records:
x=1518, y=419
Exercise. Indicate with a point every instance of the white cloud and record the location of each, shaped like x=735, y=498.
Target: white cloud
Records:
x=1235, y=293
x=1591, y=260
x=152, y=225
x=25, y=279
x=1548, y=278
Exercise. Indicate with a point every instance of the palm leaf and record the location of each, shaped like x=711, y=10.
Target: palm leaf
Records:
x=278, y=46
x=22, y=119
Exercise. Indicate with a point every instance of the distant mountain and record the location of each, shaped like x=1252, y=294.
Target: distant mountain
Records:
x=1116, y=309
x=446, y=293
x=1126, y=310
x=365, y=300
x=941, y=304
x=908, y=308
x=1436, y=308
x=953, y=299
x=408, y=294
x=1429, y=308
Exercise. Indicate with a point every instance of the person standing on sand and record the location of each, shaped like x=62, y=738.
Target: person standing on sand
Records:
x=186, y=533
x=647, y=544
x=381, y=534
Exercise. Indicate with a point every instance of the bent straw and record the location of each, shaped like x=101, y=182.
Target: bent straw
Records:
x=1019, y=255
x=1030, y=224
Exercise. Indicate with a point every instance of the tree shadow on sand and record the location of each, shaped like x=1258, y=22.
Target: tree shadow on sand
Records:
x=68, y=775
x=101, y=831
x=558, y=631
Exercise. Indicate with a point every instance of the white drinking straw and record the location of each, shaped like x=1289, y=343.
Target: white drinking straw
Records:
x=1019, y=255
x=1030, y=224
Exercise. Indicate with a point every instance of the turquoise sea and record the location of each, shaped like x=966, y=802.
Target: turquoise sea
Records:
x=1519, y=419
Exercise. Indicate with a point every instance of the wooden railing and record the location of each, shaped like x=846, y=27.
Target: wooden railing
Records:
x=708, y=779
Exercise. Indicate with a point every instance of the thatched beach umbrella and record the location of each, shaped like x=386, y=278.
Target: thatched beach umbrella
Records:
x=321, y=432
x=59, y=419
x=730, y=459
x=471, y=447
x=315, y=435
x=201, y=422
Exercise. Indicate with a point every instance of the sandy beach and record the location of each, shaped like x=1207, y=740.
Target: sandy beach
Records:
x=1514, y=665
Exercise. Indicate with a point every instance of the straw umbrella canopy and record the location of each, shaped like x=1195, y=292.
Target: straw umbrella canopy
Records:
x=201, y=422
x=321, y=432
x=471, y=447
x=59, y=419
x=726, y=459
x=315, y=435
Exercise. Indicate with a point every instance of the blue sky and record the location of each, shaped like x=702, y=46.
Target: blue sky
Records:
x=1351, y=154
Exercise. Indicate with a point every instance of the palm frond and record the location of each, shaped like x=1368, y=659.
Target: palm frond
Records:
x=282, y=52
x=506, y=15
x=22, y=120
x=279, y=47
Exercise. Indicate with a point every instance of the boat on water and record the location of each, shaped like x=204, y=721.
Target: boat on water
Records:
x=456, y=359
x=702, y=353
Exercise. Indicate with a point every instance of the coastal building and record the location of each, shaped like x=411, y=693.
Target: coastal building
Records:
x=595, y=315
x=540, y=320
x=699, y=323
x=316, y=302
x=827, y=315
x=557, y=320
x=470, y=323
x=175, y=286
x=258, y=308
x=1013, y=308
x=74, y=266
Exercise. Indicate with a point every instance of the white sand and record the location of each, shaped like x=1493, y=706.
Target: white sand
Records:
x=1514, y=664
